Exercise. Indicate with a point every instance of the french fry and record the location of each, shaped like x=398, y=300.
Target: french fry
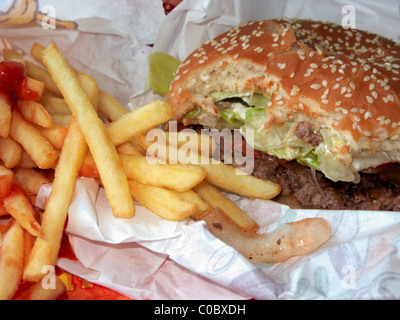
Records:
x=54, y=104
x=45, y=250
x=11, y=261
x=172, y=176
x=55, y=135
x=89, y=85
x=193, y=197
x=31, y=180
x=7, y=179
x=219, y=174
x=26, y=161
x=137, y=167
x=36, y=52
x=5, y=115
x=139, y=120
x=31, y=89
x=100, y=144
x=18, y=205
x=3, y=211
x=35, y=144
x=13, y=55
x=216, y=199
x=37, y=292
x=34, y=112
x=10, y=152
x=189, y=140
x=161, y=201
x=62, y=119
x=128, y=148
x=110, y=107
x=36, y=72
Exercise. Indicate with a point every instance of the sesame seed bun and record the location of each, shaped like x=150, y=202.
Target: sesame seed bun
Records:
x=343, y=80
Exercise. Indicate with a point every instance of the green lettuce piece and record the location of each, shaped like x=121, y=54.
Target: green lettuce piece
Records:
x=194, y=113
x=310, y=159
x=162, y=68
x=278, y=141
x=257, y=100
x=254, y=113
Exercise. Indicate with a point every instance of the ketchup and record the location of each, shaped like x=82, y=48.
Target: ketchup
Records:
x=13, y=83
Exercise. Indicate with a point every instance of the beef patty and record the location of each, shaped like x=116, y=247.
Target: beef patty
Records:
x=313, y=190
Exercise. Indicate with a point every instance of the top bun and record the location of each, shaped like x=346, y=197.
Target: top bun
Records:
x=343, y=80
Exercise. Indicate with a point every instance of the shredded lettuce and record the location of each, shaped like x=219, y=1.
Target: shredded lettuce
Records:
x=256, y=99
x=162, y=69
x=194, y=113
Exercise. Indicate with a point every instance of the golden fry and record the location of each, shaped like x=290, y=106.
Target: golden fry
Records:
x=34, y=112
x=89, y=85
x=11, y=261
x=172, y=176
x=12, y=55
x=35, y=144
x=139, y=120
x=17, y=204
x=100, y=145
x=31, y=180
x=36, y=72
x=163, y=202
x=219, y=174
x=45, y=250
x=110, y=107
x=10, y=152
x=5, y=115
x=216, y=199
x=54, y=104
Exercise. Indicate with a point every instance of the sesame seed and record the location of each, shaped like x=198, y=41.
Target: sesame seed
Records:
x=315, y=86
x=281, y=65
x=292, y=74
x=374, y=94
x=324, y=101
x=390, y=97
x=354, y=110
x=369, y=99
x=313, y=65
x=301, y=106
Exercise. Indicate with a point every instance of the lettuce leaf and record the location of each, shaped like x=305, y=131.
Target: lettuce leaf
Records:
x=162, y=69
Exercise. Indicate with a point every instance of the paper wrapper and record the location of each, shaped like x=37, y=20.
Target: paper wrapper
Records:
x=147, y=257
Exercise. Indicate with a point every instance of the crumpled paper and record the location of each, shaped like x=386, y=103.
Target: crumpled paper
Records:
x=149, y=258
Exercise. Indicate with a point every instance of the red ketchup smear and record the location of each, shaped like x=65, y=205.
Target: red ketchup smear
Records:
x=13, y=83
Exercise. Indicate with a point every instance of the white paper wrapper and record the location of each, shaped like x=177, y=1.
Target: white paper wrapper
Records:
x=150, y=258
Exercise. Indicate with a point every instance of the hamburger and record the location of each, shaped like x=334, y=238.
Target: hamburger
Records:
x=322, y=103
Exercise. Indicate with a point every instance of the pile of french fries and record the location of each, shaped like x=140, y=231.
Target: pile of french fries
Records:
x=76, y=129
